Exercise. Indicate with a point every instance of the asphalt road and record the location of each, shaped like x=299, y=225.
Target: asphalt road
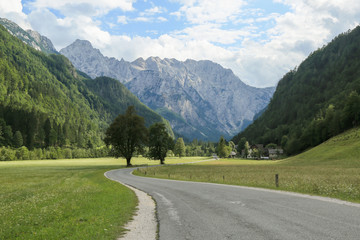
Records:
x=191, y=210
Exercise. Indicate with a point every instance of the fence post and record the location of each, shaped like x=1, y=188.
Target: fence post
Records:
x=277, y=180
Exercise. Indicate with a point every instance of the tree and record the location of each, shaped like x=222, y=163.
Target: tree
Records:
x=241, y=145
x=352, y=110
x=271, y=146
x=8, y=136
x=284, y=141
x=18, y=139
x=159, y=142
x=232, y=146
x=255, y=153
x=53, y=137
x=126, y=135
x=1, y=136
x=179, y=148
x=246, y=149
x=222, y=149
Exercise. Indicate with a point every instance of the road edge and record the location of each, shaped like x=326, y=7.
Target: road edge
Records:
x=144, y=225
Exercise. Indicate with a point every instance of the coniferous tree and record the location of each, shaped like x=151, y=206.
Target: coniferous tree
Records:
x=180, y=149
x=18, y=139
x=222, y=149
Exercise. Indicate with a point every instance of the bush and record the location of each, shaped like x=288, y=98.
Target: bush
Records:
x=7, y=154
x=22, y=153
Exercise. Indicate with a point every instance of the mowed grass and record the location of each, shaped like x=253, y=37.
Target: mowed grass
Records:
x=65, y=199
x=332, y=169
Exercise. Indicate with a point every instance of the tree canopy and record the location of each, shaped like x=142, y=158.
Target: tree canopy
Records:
x=223, y=150
x=126, y=135
x=159, y=142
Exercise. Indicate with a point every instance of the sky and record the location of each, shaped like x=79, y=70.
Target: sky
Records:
x=259, y=40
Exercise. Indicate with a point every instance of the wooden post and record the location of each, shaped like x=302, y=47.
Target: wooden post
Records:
x=277, y=180
x=223, y=178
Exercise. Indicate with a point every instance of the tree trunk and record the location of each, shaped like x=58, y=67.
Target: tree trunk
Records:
x=162, y=161
x=128, y=164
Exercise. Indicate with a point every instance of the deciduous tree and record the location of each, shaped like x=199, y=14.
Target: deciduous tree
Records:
x=126, y=135
x=159, y=142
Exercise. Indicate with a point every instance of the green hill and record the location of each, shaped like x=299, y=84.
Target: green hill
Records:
x=45, y=101
x=342, y=150
x=314, y=102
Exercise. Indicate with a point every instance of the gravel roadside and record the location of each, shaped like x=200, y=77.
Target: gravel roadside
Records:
x=144, y=223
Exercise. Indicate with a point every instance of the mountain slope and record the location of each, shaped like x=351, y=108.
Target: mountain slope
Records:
x=316, y=101
x=32, y=38
x=342, y=150
x=200, y=99
x=49, y=103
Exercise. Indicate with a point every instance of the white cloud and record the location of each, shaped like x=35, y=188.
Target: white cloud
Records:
x=143, y=19
x=13, y=10
x=92, y=7
x=212, y=33
x=203, y=11
x=259, y=55
x=162, y=19
x=153, y=11
x=296, y=34
x=122, y=19
x=63, y=32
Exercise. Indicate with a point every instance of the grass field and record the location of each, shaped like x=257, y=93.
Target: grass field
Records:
x=331, y=169
x=65, y=199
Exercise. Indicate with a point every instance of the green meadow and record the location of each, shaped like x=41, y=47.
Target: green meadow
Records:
x=331, y=169
x=66, y=199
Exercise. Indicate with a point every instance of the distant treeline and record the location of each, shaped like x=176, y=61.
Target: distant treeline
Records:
x=22, y=153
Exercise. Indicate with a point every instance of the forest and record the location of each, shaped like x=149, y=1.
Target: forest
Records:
x=315, y=101
x=45, y=103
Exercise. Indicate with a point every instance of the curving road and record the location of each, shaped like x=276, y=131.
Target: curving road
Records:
x=191, y=210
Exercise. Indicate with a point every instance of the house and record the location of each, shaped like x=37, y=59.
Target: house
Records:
x=232, y=154
x=275, y=153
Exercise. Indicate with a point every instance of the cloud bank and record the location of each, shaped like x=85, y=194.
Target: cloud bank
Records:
x=260, y=42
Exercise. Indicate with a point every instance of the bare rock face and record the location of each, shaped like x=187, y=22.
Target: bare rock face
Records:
x=31, y=38
x=200, y=99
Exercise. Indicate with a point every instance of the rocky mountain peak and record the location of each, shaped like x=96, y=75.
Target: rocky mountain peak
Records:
x=30, y=37
x=201, y=99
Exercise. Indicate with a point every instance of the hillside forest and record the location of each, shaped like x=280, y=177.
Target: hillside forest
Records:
x=315, y=101
x=48, y=106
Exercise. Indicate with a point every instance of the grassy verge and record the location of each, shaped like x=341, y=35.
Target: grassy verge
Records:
x=331, y=169
x=65, y=199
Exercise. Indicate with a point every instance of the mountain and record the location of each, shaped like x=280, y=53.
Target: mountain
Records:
x=200, y=99
x=47, y=102
x=315, y=101
x=32, y=38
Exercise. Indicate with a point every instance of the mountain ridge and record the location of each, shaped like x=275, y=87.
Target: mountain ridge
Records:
x=211, y=99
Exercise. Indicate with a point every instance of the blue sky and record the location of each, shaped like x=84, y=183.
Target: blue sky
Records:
x=260, y=40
